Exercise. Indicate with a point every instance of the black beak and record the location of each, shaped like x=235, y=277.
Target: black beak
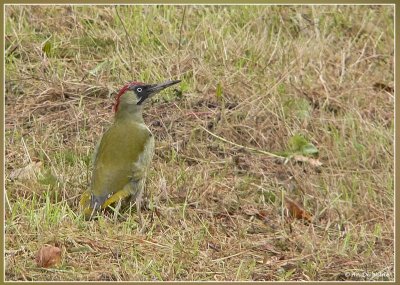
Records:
x=154, y=89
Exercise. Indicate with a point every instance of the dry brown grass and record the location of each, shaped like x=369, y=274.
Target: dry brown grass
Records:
x=216, y=211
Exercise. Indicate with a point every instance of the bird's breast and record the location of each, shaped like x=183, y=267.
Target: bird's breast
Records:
x=123, y=148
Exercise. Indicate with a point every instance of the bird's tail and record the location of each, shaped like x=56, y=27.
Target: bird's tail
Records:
x=84, y=205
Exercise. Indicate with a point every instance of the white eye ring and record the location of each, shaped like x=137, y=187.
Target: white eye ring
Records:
x=139, y=89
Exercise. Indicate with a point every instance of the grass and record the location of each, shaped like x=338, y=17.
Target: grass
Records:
x=280, y=79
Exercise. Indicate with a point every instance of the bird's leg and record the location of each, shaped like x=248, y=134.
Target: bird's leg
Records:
x=138, y=181
x=137, y=198
x=132, y=190
x=117, y=208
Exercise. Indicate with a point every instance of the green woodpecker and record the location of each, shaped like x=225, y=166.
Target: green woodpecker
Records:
x=122, y=157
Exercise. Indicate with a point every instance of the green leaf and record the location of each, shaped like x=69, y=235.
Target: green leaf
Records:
x=299, y=144
x=47, y=48
x=309, y=149
x=219, y=90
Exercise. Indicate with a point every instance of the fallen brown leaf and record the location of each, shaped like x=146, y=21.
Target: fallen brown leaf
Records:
x=48, y=256
x=262, y=215
x=297, y=211
x=259, y=214
x=378, y=86
x=312, y=161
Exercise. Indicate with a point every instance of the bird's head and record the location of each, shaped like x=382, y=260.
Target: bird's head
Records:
x=135, y=93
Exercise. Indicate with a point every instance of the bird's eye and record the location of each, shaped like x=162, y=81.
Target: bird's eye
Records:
x=139, y=89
